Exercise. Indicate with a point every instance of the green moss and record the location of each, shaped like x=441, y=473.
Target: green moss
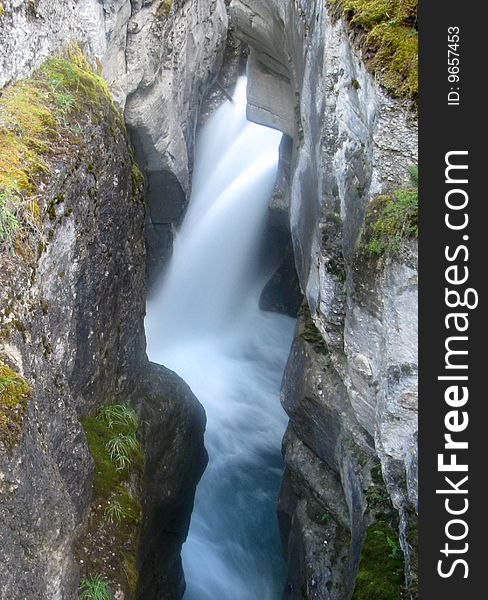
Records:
x=137, y=180
x=164, y=8
x=389, y=40
x=116, y=512
x=14, y=394
x=107, y=477
x=389, y=219
x=130, y=570
x=37, y=116
x=380, y=575
x=376, y=496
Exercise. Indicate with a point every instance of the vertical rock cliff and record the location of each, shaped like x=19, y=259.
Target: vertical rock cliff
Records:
x=350, y=387
x=73, y=301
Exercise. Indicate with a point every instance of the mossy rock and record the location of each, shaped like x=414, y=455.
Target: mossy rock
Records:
x=35, y=111
x=40, y=118
x=390, y=219
x=109, y=545
x=14, y=395
x=387, y=33
x=380, y=575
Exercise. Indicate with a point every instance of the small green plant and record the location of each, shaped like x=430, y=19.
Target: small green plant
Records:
x=325, y=518
x=121, y=448
x=94, y=588
x=389, y=219
x=376, y=496
x=413, y=171
x=64, y=101
x=396, y=551
x=17, y=215
x=394, y=545
x=114, y=513
x=119, y=414
x=8, y=221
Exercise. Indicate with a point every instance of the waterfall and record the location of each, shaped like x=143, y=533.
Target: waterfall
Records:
x=204, y=323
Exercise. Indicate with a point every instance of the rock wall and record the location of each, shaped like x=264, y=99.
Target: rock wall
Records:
x=64, y=306
x=174, y=423
x=159, y=58
x=71, y=323
x=353, y=401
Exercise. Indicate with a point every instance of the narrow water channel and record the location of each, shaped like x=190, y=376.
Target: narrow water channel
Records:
x=204, y=322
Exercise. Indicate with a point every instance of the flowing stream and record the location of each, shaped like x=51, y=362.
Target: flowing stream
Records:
x=204, y=323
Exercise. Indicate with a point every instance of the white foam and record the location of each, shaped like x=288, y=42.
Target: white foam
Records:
x=204, y=322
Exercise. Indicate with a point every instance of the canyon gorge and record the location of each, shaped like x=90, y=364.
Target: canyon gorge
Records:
x=103, y=106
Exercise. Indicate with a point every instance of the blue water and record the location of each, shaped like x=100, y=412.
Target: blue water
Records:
x=204, y=322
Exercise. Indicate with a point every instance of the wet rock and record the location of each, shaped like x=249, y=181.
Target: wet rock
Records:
x=350, y=143
x=174, y=422
x=72, y=323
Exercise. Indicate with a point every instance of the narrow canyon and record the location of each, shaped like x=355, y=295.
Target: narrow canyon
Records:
x=208, y=300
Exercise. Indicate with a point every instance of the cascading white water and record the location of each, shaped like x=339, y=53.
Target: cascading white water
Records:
x=204, y=322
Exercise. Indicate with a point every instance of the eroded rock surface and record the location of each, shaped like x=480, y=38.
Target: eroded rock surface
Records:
x=351, y=142
x=71, y=322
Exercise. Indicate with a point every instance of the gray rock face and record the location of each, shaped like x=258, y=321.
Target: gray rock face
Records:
x=351, y=142
x=282, y=292
x=71, y=322
x=44, y=491
x=174, y=423
x=64, y=325
x=170, y=62
x=158, y=63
